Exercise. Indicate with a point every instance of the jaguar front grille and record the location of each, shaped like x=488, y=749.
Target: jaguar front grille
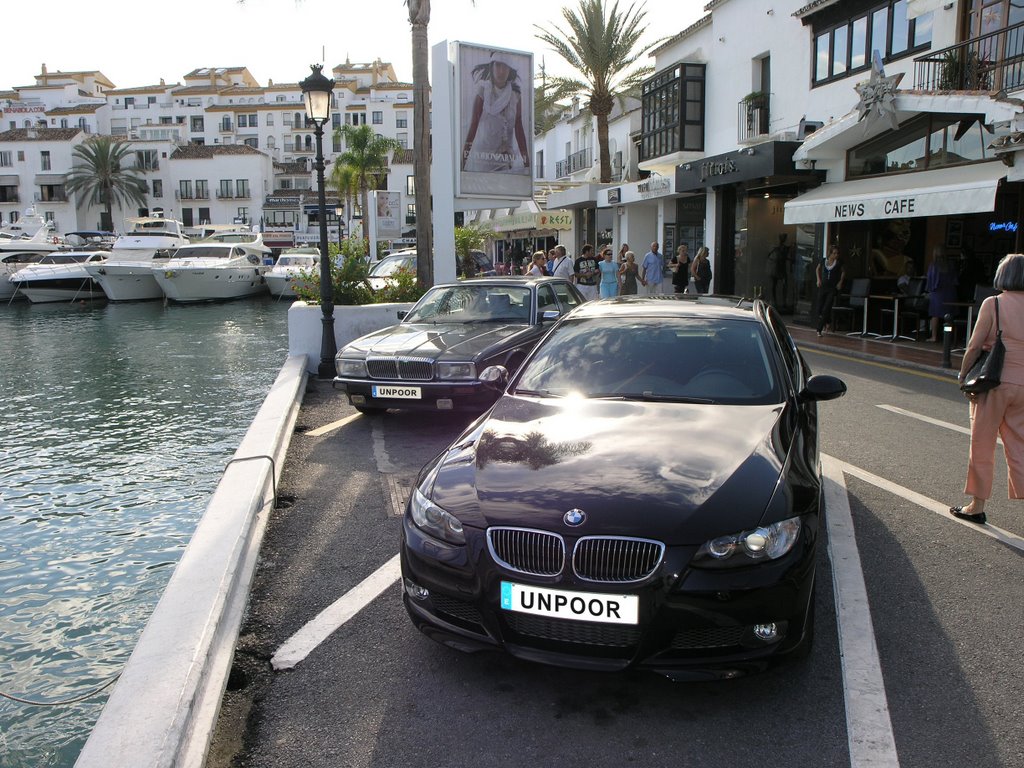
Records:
x=400, y=369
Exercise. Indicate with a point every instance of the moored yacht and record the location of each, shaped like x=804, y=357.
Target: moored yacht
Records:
x=215, y=270
x=285, y=276
x=127, y=274
x=60, y=276
x=11, y=263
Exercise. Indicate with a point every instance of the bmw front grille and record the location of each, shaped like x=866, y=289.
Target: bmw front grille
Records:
x=598, y=559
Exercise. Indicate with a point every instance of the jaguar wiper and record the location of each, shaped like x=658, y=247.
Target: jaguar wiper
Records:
x=537, y=393
x=652, y=397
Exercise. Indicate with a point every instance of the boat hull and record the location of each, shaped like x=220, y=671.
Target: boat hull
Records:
x=209, y=284
x=284, y=285
x=127, y=282
x=48, y=291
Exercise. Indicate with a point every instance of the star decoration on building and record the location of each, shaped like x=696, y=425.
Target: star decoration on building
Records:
x=878, y=97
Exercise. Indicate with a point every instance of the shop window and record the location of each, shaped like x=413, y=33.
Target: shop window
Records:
x=928, y=141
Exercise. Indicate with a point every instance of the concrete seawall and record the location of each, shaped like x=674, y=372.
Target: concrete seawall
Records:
x=164, y=707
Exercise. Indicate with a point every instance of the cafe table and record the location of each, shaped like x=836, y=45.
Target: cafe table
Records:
x=895, y=299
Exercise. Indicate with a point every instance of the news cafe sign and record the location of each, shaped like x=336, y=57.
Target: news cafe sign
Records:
x=887, y=208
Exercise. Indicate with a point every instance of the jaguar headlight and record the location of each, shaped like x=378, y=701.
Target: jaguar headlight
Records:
x=352, y=368
x=452, y=371
x=768, y=542
x=433, y=520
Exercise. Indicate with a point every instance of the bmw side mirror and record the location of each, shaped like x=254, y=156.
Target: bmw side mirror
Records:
x=550, y=315
x=823, y=387
x=494, y=377
x=401, y=314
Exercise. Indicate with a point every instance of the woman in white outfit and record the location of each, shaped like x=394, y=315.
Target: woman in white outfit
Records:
x=496, y=120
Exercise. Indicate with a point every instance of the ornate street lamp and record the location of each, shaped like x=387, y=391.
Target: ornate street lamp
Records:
x=339, y=213
x=316, y=91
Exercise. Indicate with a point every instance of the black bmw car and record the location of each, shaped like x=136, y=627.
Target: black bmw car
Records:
x=431, y=359
x=645, y=492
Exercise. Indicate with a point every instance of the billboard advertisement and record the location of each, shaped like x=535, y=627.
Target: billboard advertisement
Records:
x=386, y=208
x=494, y=122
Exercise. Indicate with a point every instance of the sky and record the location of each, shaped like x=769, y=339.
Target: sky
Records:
x=135, y=43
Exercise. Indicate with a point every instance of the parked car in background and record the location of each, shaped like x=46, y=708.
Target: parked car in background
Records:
x=386, y=268
x=431, y=359
x=646, y=492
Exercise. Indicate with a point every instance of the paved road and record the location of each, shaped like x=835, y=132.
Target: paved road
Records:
x=945, y=605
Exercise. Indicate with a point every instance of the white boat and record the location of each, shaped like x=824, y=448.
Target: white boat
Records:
x=60, y=276
x=284, y=277
x=215, y=269
x=127, y=274
x=42, y=240
x=11, y=263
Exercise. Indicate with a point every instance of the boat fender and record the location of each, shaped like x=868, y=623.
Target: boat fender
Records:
x=55, y=240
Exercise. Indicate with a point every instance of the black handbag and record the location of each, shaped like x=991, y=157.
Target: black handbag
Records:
x=984, y=374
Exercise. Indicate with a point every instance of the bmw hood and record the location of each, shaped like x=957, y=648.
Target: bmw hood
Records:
x=680, y=473
x=461, y=341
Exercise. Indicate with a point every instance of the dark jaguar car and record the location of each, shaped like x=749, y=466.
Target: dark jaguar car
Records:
x=431, y=359
x=646, y=492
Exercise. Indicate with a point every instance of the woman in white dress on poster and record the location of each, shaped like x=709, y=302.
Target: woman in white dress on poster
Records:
x=496, y=120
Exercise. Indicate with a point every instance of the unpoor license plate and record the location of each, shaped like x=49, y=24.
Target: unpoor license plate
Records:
x=396, y=393
x=564, y=604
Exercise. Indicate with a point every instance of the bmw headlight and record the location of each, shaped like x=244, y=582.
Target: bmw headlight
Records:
x=352, y=368
x=449, y=371
x=769, y=542
x=433, y=520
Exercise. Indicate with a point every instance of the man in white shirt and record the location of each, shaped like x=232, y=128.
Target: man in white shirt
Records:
x=563, y=266
x=651, y=271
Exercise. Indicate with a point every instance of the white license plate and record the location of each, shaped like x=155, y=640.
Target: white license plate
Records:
x=563, y=604
x=396, y=393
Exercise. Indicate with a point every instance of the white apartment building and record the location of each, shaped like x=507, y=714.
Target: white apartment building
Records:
x=764, y=120
x=255, y=164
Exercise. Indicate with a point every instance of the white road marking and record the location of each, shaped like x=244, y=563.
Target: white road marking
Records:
x=868, y=727
x=938, y=507
x=301, y=644
x=333, y=425
x=930, y=420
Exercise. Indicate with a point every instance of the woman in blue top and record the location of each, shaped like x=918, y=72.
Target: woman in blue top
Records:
x=609, y=275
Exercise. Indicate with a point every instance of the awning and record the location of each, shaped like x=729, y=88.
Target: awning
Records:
x=8, y=179
x=942, y=192
x=44, y=179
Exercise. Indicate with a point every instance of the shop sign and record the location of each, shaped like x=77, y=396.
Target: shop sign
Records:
x=278, y=200
x=655, y=186
x=547, y=220
x=20, y=110
x=711, y=169
x=1002, y=226
x=615, y=196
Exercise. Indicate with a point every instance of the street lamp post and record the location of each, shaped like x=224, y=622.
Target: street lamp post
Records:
x=339, y=212
x=316, y=91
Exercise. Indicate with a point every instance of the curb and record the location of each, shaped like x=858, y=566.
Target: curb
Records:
x=893, y=361
x=164, y=708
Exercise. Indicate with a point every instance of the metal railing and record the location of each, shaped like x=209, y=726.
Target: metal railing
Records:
x=752, y=117
x=577, y=161
x=990, y=62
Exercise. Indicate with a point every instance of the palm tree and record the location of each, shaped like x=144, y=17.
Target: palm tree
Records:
x=603, y=49
x=101, y=176
x=345, y=181
x=419, y=19
x=366, y=155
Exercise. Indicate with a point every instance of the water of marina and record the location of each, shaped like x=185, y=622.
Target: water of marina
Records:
x=116, y=421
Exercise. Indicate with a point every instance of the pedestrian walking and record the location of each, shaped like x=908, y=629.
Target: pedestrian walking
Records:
x=680, y=265
x=609, y=274
x=628, y=274
x=652, y=269
x=1000, y=411
x=586, y=272
x=623, y=250
x=538, y=267
x=830, y=274
x=701, y=270
x=563, y=266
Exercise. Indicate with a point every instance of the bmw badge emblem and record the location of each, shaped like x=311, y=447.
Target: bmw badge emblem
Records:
x=574, y=517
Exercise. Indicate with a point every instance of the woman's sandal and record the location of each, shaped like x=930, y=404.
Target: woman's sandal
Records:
x=959, y=512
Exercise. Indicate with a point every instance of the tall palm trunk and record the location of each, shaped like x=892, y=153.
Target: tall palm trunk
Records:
x=419, y=18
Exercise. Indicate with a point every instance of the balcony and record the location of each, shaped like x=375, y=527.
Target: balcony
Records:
x=991, y=62
x=752, y=117
x=577, y=161
x=222, y=195
x=41, y=198
x=225, y=126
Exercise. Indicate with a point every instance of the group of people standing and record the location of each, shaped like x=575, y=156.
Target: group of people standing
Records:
x=603, y=275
